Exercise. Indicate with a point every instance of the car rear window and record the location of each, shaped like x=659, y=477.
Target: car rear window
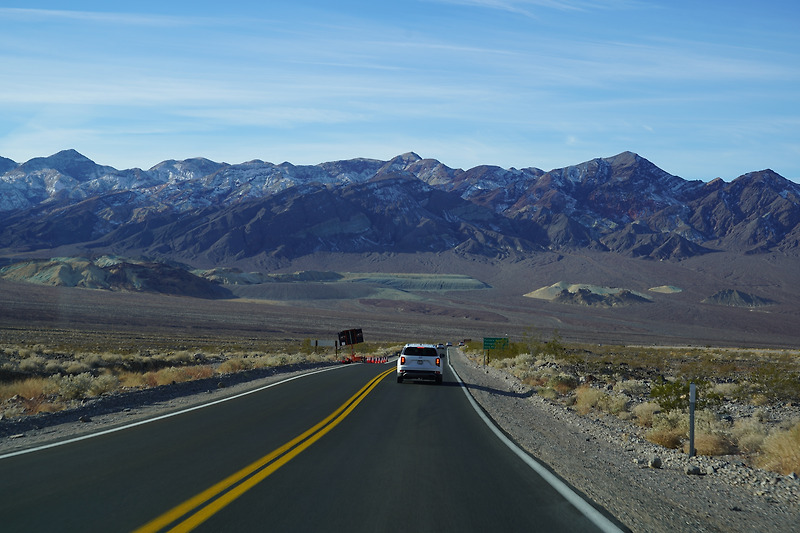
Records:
x=420, y=350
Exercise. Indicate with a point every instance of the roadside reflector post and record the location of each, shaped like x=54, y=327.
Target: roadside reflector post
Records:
x=692, y=401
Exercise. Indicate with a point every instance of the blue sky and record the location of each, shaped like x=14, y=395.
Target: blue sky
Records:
x=702, y=89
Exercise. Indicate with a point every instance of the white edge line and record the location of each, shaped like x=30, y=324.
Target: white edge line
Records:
x=162, y=417
x=571, y=496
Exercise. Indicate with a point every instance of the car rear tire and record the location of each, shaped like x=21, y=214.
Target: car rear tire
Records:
x=399, y=379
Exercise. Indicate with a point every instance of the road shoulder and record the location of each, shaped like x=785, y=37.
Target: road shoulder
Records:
x=602, y=458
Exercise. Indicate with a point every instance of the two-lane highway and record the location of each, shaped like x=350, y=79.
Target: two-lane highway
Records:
x=341, y=449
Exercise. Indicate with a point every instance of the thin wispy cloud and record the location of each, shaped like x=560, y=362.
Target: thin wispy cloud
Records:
x=528, y=7
x=99, y=17
x=574, y=83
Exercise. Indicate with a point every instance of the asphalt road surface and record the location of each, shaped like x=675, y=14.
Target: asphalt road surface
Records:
x=344, y=449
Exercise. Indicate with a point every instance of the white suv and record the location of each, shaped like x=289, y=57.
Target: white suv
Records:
x=419, y=361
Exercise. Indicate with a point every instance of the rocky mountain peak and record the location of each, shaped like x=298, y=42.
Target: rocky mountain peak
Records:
x=200, y=208
x=6, y=165
x=69, y=163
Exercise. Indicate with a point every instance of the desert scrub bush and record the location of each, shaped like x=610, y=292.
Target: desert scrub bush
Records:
x=704, y=420
x=523, y=360
x=615, y=404
x=501, y=362
x=777, y=380
x=114, y=359
x=535, y=344
x=548, y=393
x=632, y=387
x=33, y=364
x=54, y=367
x=330, y=357
x=272, y=360
x=729, y=391
x=781, y=451
x=671, y=395
x=91, y=360
x=644, y=413
x=532, y=377
x=70, y=387
x=76, y=367
x=24, y=353
x=241, y=363
x=523, y=367
x=177, y=374
x=563, y=383
x=749, y=434
x=185, y=357
x=587, y=399
x=236, y=364
x=306, y=347
x=104, y=384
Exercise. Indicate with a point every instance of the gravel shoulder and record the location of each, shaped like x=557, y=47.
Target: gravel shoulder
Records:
x=600, y=456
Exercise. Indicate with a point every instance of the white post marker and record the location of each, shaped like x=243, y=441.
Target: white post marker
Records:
x=692, y=402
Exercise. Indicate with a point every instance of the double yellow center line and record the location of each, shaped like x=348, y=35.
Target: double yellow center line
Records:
x=198, y=509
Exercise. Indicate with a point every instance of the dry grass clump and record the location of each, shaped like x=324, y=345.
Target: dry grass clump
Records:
x=23, y=397
x=644, y=413
x=668, y=438
x=710, y=444
x=26, y=388
x=52, y=378
x=588, y=399
x=181, y=374
x=781, y=451
x=749, y=434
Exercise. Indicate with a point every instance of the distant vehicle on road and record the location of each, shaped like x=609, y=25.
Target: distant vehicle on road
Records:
x=442, y=350
x=419, y=361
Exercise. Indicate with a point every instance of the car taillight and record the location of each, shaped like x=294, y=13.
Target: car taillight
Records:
x=402, y=360
x=438, y=362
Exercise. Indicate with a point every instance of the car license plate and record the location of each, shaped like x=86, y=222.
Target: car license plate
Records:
x=419, y=361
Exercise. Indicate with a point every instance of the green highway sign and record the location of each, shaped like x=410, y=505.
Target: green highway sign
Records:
x=493, y=343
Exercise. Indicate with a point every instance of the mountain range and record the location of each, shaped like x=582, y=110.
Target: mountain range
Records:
x=209, y=213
